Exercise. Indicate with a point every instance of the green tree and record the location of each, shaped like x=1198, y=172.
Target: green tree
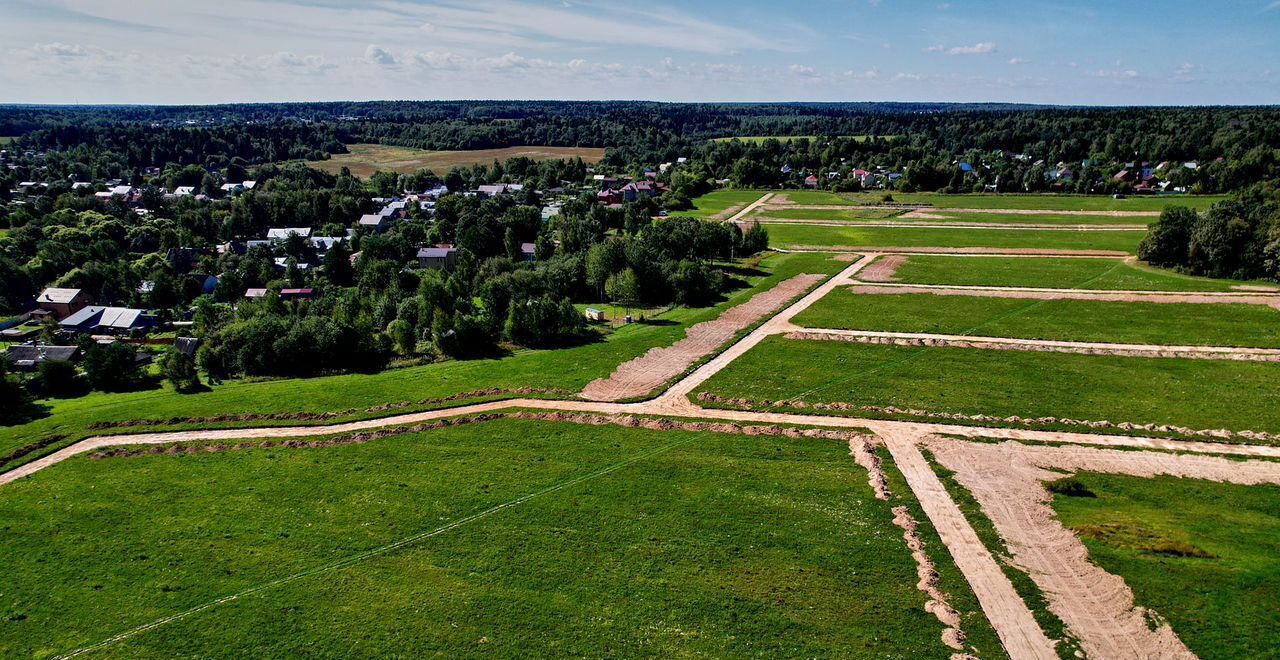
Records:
x=180, y=370
x=112, y=367
x=58, y=378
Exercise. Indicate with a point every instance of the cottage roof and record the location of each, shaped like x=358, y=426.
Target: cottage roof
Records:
x=54, y=295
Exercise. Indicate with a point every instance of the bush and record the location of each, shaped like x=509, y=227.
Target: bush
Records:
x=1070, y=487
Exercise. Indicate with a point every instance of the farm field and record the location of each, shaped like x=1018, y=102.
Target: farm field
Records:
x=365, y=159
x=722, y=203
x=972, y=381
x=1179, y=324
x=818, y=236
x=569, y=369
x=1203, y=554
x=526, y=537
x=851, y=214
x=1048, y=272
x=1047, y=202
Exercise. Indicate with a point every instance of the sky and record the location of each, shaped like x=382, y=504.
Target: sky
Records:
x=1028, y=51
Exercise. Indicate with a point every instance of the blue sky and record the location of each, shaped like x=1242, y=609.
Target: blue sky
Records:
x=1082, y=52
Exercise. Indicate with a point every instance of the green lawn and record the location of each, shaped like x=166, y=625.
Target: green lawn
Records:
x=1042, y=202
x=1048, y=272
x=719, y=201
x=974, y=381
x=530, y=539
x=997, y=217
x=1067, y=320
x=785, y=236
x=1204, y=555
x=570, y=369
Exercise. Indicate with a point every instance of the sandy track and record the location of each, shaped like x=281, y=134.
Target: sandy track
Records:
x=642, y=375
x=1004, y=252
x=1098, y=607
x=1005, y=609
x=1070, y=294
x=1039, y=345
x=883, y=269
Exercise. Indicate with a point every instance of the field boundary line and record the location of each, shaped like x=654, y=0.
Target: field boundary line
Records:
x=372, y=553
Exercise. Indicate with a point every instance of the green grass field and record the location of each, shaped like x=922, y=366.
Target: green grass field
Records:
x=1204, y=555
x=1048, y=272
x=1178, y=324
x=1041, y=202
x=1003, y=383
x=817, y=236
x=812, y=197
x=569, y=368
x=720, y=201
x=531, y=539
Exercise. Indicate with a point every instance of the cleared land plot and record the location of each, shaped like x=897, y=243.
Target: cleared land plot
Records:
x=722, y=203
x=1174, y=324
x=816, y=236
x=1205, y=555
x=970, y=381
x=996, y=217
x=568, y=369
x=696, y=544
x=1041, y=202
x=1048, y=272
x=365, y=159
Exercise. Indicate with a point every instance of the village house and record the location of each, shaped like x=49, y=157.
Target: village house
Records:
x=29, y=356
x=95, y=319
x=440, y=257
x=283, y=233
x=62, y=303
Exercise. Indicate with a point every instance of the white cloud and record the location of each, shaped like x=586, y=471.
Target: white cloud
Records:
x=936, y=48
x=379, y=55
x=980, y=48
x=801, y=70
x=1017, y=60
x=1118, y=74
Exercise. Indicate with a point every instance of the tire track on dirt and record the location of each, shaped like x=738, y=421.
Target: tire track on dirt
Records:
x=1007, y=480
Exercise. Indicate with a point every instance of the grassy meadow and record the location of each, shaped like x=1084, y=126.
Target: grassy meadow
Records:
x=1003, y=383
x=819, y=236
x=1204, y=555
x=1054, y=273
x=1178, y=324
x=365, y=159
x=511, y=537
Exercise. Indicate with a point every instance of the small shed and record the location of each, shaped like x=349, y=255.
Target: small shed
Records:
x=595, y=315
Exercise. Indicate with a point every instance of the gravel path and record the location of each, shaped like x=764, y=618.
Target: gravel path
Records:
x=1003, y=252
